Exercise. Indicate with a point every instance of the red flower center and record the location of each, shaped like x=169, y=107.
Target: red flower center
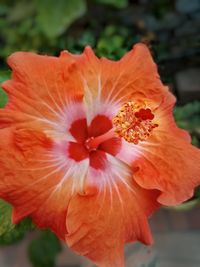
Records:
x=93, y=142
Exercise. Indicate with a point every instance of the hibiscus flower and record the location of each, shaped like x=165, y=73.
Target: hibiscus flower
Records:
x=89, y=148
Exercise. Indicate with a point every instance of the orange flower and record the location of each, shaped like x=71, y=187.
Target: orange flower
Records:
x=90, y=149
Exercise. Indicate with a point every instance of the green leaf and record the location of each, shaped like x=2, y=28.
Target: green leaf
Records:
x=4, y=9
x=189, y=205
x=11, y=233
x=4, y=75
x=188, y=117
x=55, y=17
x=115, y=3
x=187, y=111
x=16, y=233
x=5, y=217
x=20, y=11
x=44, y=249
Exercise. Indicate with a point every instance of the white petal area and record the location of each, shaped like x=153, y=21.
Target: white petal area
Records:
x=96, y=105
x=72, y=112
x=116, y=172
x=100, y=108
x=129, y=152
x=77, y=171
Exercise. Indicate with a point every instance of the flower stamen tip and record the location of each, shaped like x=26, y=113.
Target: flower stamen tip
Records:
x=134, y=122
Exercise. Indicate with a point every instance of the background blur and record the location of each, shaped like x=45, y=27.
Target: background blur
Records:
x=171, y=28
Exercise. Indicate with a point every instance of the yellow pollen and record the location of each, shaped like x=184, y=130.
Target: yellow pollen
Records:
x=134, y=122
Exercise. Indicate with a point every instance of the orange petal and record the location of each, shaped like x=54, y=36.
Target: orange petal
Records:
x=134, y=76
x=167, y=161
x=99, y=225
x=31, y=179
x=41, y=85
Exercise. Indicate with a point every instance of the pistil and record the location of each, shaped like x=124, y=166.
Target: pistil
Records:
x=92, y=143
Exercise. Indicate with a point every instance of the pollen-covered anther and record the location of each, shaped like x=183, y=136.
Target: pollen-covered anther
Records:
x=134, y=122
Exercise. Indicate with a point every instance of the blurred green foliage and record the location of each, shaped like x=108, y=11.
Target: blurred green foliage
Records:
x=41, y=25
x=44, y=249
x=188, y=117
x=5, y=218
x=4, y=75
x=11, y=233
x=113, y=42
x=55, y=19
x=115, y=3
x=30, y=25
x=160, y=8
